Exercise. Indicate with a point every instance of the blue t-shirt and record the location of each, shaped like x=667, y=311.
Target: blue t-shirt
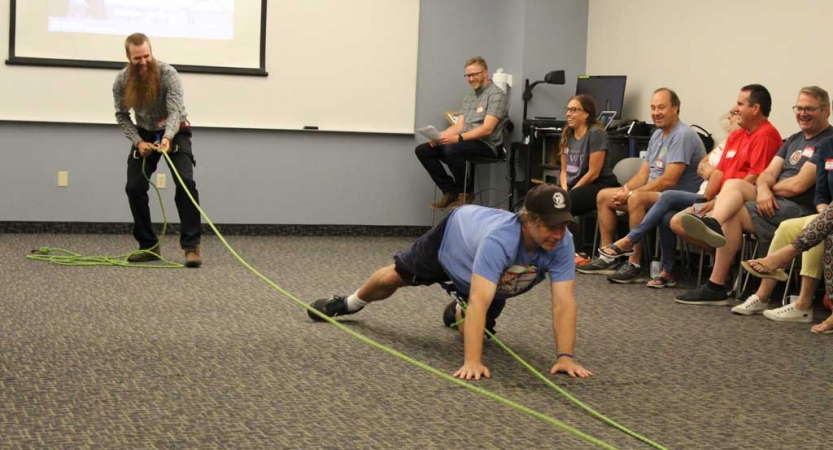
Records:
x=487, y=242
x=682, y=145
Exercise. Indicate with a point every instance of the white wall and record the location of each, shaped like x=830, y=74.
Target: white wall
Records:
x=340, y=66
x=296, y=177
x=708, y=49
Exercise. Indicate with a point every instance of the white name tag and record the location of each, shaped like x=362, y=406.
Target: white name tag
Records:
x=808, y=152
x=731, y=154
x=480, y=108
x=828, y=164
x=659, y=164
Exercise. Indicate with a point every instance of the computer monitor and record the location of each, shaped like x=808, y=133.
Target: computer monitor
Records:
x=608, y=91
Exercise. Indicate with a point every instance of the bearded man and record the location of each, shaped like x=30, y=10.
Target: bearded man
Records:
x=152, y=89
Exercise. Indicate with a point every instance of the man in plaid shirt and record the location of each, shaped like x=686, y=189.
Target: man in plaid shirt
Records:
x=478, y=131
x=152, y=89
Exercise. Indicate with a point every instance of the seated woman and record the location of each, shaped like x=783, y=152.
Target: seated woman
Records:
x=584, y=161
x=671, y=202
x=817, y=231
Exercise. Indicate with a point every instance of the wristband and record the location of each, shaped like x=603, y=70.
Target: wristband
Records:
x=460, y=137
x=568, y=355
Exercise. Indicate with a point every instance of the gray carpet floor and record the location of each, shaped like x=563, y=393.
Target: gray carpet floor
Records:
x=213, y=358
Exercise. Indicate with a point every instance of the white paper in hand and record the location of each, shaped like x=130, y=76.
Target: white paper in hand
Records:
x=430, y=132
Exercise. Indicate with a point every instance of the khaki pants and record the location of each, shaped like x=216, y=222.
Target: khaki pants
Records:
x=786, y=234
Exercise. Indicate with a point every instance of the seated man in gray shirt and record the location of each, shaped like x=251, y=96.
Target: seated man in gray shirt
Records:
x=478, y=131
x=674, y=152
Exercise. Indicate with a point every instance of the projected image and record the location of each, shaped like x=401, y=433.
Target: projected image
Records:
x=190, y=19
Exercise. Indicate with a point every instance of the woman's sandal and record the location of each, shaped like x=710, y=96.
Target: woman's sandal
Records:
x=825, y=327
x=777, y=274
x=617, y=252
x=661, y=282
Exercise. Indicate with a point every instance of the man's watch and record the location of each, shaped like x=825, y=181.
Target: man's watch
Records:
x=460, y=137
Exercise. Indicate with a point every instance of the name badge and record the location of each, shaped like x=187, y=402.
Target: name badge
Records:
x=731, y=154
x=480, y=108
x=808, y=152
x=828, y=164
x=659, y=164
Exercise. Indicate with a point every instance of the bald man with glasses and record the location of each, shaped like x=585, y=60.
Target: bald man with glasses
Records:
x=478, y=131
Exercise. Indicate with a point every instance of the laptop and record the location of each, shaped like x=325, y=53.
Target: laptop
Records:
x=606, y=118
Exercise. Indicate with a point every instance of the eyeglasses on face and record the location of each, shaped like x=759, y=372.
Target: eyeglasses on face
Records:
x=572, y=110
x=472, y=75
x=809, y=109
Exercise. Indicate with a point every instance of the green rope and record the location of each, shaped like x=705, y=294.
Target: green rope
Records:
x=563, y=392
x=555, y=422
x=74, y=259
x=67, y=258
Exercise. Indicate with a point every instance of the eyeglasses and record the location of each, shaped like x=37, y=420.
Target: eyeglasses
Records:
x=572, y=110
x=809, y=109
x=472, y=75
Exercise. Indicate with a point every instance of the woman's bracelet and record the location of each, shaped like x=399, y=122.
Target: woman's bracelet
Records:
x=567, y=355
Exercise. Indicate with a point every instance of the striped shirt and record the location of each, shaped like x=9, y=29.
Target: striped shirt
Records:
x=488, y=100
x=167, y=112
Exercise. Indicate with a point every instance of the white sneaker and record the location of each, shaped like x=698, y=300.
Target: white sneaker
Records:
x=752, y=305
x=789, y=313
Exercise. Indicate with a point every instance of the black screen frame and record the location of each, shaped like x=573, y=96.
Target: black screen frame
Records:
x=14, y=60
x=603, y=88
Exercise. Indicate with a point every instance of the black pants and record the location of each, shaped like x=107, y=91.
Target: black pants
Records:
x=454, y=156
x=137, y=189
x=584, y=197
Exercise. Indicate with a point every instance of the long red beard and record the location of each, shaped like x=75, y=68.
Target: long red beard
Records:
x=140, y=91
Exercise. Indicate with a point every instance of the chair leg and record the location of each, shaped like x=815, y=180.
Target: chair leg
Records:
x=434, y=211
x=787, y=283
x=700, y=268
x=754, y=254
x=596, y=237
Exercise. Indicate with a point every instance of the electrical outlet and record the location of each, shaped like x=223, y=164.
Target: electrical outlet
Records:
x=63, y=179
x=161, y=181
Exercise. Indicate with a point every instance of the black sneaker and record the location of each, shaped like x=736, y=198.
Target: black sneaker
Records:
x=330, y=307
x=706, y=229
x=703, y=295
x=627, y=273
x=450, y=315
x=599, y=266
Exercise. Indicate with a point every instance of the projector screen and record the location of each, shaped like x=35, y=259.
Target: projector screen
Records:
x=214, y=36
x=334, y=65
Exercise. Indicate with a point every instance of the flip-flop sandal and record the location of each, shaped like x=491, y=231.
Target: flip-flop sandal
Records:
x=618, y=252
x=664, y=283
x=827, y=331
x=777, y=274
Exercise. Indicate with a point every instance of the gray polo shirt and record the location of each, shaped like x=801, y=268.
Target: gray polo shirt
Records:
x=488, y=100
x=166, y=113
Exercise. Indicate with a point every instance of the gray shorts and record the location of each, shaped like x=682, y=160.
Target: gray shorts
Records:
x=765, y=226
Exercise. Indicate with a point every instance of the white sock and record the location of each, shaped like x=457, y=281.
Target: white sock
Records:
x=605, y=257
x=354, y=303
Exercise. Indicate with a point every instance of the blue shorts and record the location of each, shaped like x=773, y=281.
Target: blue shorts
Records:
x=420, y=266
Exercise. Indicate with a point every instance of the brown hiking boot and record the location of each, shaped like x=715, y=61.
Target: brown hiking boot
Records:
x=145, y=255
x=193, y=256
x=444, y=201
x=463, y=199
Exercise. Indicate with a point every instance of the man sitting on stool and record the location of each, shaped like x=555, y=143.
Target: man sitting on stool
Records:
x=478, y=131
